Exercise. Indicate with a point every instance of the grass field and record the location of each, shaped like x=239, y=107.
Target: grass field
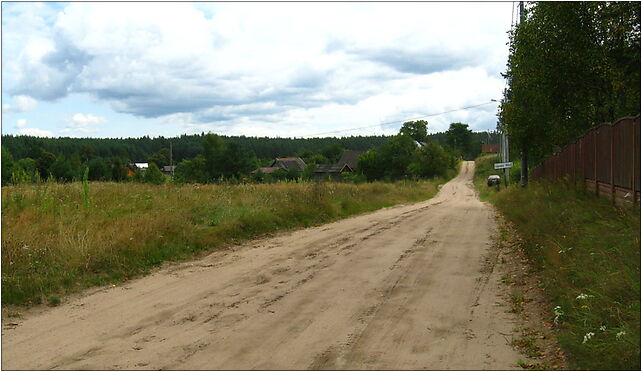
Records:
x=59, y=238
x=588, y=254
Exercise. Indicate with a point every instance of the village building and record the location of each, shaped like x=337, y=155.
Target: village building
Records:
x=289, y=163
x=347, y=164
x=168, y=169
x=331, y=171
x=491, y=148
x=141, y=166
x=283, y=163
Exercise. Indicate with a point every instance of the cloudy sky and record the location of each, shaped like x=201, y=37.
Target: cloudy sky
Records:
x=257, y=69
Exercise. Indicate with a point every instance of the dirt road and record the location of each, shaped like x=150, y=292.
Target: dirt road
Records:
x=406, y=287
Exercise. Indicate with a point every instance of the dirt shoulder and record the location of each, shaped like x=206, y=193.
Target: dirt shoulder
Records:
x=534, y=335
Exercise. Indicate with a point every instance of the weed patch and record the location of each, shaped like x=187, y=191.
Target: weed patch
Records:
x=587, y=253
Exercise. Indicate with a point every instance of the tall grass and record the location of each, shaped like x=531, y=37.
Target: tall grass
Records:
x=588, y=252
x=53, y=244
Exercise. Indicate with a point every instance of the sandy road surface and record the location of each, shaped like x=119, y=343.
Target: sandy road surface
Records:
x=406, y=287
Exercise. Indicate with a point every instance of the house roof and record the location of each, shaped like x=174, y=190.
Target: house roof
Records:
x=141, y=165
x=332, y=168
x=289, y=163
x=349, y=157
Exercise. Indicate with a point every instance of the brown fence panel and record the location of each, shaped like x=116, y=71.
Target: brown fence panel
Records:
x=589, y=159
x=623, y=131
x=605, y=160
x=603, y=154
x=636, y=154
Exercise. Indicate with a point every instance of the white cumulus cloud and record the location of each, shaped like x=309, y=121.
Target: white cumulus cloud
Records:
x=21, y=124
x=83, y=124
x=21, y=104
x=273, y=66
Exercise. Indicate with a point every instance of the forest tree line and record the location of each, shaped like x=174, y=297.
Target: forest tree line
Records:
x=209, y=158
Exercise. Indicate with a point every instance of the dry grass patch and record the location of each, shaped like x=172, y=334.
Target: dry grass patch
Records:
x=58, y=238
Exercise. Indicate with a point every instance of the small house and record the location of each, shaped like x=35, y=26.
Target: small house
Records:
x=133, y=167
x=289, y=163
x=141, y=166
x=332, y=171
x=491, y=148
x=168, y=169
x=283, y=163
x=347, y=164
x=350, y=157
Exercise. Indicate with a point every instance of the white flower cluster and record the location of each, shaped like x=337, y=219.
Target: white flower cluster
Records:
x=588, y=337
x=583, y=296
x=620, y=334
x=557, y=310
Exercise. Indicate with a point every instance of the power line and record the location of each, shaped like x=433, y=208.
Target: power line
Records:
x=398, y=121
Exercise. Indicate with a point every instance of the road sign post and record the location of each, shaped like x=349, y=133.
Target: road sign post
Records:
x=503, y=165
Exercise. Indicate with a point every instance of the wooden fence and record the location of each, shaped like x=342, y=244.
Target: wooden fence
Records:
x=605, y=160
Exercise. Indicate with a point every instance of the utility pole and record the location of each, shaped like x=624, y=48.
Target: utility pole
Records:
x=524, y=167
x=505, y=157
x=503, y=151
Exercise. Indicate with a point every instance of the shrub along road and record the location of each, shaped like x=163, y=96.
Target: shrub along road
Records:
x=406, y=287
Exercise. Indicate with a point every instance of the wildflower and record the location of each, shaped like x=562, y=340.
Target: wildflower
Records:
x=603, y=328
x=558, y=313
x=25, y=247
x=584, y=307
x=619, y=335
x=588, y=337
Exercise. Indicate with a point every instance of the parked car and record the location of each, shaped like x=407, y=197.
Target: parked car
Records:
x=494, y=180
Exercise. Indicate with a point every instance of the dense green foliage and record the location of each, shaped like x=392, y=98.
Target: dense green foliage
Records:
x=461, y=142
x=403, y=156
x=184, y=147
x=572, y=65
x=418, y=130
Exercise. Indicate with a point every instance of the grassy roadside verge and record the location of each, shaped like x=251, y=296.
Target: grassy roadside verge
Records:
x=588, y=255
x=56, y=240
x=484, y=167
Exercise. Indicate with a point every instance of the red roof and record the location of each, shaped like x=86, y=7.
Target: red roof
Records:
x=490, y=148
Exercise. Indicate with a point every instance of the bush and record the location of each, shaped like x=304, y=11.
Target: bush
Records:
x=430, y=160
x=153, y=175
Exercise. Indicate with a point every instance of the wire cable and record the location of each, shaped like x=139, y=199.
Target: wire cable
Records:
x=397, y=121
